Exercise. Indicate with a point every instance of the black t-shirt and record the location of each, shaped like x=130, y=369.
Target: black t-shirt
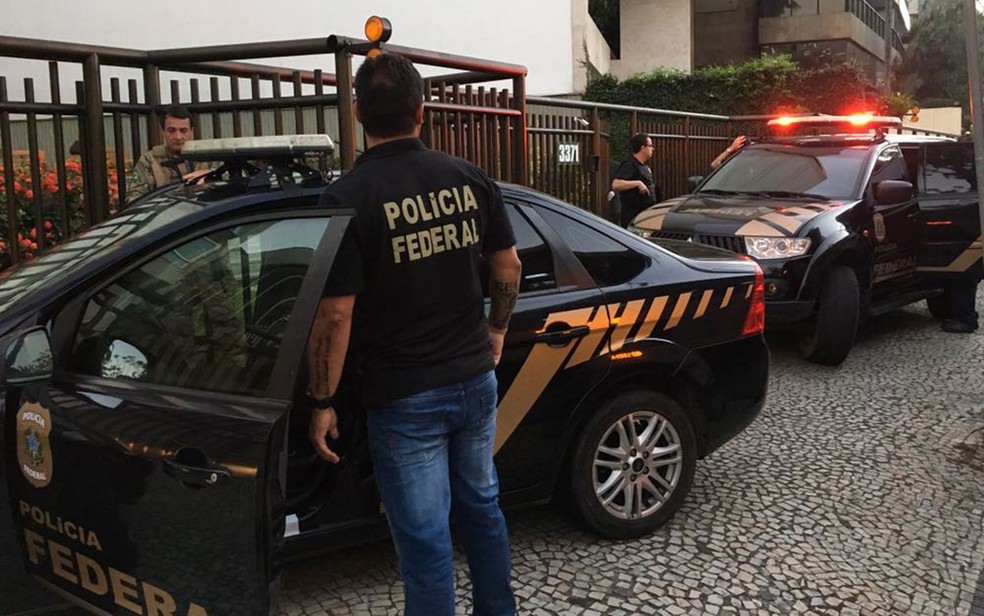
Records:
x=632, y=200
x=411, y=256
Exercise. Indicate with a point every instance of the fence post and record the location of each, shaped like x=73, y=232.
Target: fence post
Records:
x=152, y=96
x=346, y=113
x=686, y=147
x=520, y=146
x=96, y=137
x=13, y=224
x=633, y=124
x=600, y=174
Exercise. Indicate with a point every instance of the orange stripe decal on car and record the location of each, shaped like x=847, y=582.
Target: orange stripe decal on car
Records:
x=542, y=365
x=678, y=310
x=727, y=297
x=705, y=299
x=624, y=323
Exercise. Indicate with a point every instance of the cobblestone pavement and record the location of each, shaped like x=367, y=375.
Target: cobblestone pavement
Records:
x=858, y=491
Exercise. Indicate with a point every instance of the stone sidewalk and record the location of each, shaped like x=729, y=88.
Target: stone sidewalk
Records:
x=858, y=491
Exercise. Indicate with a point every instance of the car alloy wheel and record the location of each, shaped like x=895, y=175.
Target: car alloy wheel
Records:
x=633, y=463
x=637, y=465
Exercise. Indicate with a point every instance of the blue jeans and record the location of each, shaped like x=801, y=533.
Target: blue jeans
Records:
x=432, y=459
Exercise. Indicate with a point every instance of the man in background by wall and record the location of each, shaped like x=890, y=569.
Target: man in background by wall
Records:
x=162, y=164
x=634, y=180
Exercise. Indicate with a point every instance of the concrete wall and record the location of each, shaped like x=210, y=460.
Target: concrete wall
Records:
x=942, y=119
x=725, y=32
x=588, y=47
x=822, y=27
x=655, y=33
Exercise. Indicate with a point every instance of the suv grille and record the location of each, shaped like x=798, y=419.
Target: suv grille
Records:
x=728, y=242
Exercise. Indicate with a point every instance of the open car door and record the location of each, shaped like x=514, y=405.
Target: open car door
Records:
x=951, y=232
x=147, y=418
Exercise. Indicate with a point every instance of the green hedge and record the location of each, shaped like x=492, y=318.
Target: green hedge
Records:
x=772, y=84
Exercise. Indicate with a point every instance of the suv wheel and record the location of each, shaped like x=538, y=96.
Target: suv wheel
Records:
x=837, y=319
x=633, y=465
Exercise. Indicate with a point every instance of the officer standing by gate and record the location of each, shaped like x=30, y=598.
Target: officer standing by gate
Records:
x=634, y=180
x=162, y=164
x=406, y=289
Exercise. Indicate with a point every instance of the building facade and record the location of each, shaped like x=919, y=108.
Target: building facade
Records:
x=822, y=31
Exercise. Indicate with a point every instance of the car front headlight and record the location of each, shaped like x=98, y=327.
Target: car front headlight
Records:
x=640, y=231
x=776, y=247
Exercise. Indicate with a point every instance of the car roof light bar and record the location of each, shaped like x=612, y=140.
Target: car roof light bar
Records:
x=273, y=146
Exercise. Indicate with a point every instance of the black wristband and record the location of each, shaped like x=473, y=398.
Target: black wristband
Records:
x=321, y=404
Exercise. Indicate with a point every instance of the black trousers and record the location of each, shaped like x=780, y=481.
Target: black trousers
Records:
x=962, y=293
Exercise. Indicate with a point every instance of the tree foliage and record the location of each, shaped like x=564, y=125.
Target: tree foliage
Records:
x=935, y=66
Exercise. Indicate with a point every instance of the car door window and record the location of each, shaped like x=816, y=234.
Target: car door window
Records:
x=534, y=253
x=607, y=261
x=949, y=169
x=209, y=314
x=889, y=166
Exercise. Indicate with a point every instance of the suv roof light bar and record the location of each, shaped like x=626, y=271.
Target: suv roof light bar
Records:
x=840, y=124
x=273, y=146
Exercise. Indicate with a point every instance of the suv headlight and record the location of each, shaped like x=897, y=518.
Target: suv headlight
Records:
x=640, y=231
x=776, y=247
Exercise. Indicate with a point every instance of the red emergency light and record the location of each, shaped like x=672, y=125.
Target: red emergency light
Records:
x=828, y=124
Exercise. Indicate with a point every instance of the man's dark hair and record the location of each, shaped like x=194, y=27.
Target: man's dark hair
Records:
x=177, y=111
x=388, y=91
x=638, y=140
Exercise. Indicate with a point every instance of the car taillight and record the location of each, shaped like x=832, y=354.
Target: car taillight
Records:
x=755, y=319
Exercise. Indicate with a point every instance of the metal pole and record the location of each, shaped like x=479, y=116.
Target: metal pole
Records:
x=99, y=206
x=889, y=38
x=973, y=46
x=152, y=96
x=521, y=151
x=346, y=109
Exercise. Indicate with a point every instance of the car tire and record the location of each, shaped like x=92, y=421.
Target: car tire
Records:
x=669, y=455
x=837, y=319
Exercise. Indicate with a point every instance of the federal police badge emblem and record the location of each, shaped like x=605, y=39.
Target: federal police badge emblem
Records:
x=33, y=444
x=879, y=222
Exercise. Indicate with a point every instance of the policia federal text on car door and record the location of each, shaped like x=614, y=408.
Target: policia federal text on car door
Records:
x=165, y=498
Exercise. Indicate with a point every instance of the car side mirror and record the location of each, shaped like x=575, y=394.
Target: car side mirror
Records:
x=694, y=181
x=27, y=357
x=892, y=192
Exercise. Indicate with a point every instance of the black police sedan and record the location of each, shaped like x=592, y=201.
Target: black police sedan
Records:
x=156, y=435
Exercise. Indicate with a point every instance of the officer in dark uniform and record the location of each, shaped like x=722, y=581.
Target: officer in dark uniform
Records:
x=405, y=288
x=634, y=180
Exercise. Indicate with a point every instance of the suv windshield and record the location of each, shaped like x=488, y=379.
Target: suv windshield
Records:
x=818, y=172
x=71, y=255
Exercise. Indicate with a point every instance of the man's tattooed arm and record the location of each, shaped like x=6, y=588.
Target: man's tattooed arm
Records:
x=503, y=295
x=504, y=273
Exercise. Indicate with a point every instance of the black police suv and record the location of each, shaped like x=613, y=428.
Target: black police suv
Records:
x=844, y=225
x=155, y=419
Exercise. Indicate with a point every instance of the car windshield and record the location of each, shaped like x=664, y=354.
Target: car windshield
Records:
x=790, y=171
x=71, y=255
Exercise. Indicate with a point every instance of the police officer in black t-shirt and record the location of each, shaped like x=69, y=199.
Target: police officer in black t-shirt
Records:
x=405, y=294
x=634, y=180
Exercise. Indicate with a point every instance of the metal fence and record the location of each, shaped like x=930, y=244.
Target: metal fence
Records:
x=65, y=161
x=567, y=148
